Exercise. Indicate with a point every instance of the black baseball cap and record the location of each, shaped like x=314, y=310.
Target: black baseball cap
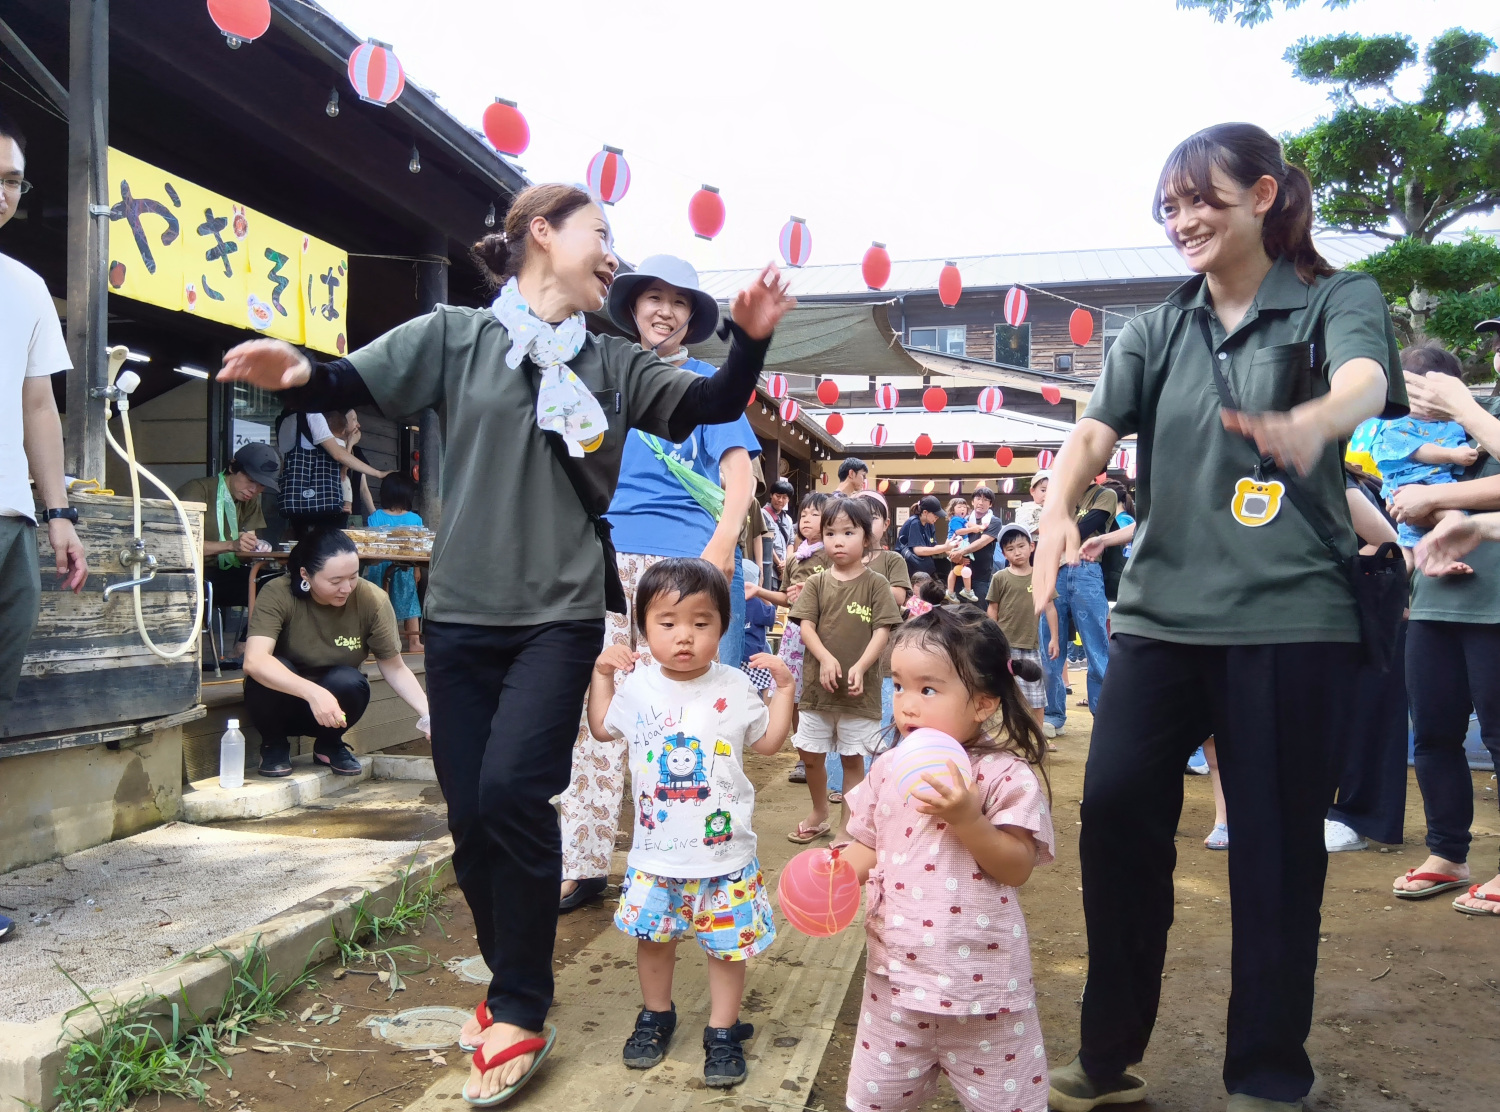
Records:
x=261, y=463
x=1487, y=326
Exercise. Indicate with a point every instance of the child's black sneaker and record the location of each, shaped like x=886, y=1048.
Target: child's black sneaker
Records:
x=723, y=1056
x=647, y=1044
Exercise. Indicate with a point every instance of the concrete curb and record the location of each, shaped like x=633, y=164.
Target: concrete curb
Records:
x=205, y=801
x=32, y=1054
x=396, y=767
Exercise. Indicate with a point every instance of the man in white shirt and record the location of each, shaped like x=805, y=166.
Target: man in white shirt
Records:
x=31, y=351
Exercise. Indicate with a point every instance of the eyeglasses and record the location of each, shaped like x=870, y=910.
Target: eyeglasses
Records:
x=15, y=185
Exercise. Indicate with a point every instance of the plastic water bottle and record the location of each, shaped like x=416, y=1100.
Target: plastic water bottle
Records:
x=232, y=756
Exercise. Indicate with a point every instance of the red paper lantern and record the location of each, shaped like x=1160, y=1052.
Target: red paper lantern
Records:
x=376, y=73
x=776, y=386
x=796, y=242
x=505, y=127
x=609, y=175
x=923, y=445
x=789, y=410
x=887, y=396
x=834, y=424
x=240, y=20
x=751, y=401
x=950, y=284
x=884, y=485
x=934, y=398
x=1080, y=326
x=1051, y=394
x=878, y=436
x=1044, y=459
x=1004, y=456
x=876, y=266
x=965, y=451
x=991, y=399
x=1015, y=307
x=706, y=213
x=828, y=391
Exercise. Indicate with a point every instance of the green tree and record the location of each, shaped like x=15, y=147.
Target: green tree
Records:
x=1247, y=13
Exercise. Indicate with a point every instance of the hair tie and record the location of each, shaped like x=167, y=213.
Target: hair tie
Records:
x=1010, y=666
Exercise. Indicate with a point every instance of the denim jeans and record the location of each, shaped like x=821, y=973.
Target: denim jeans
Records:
x=887, y=720
x=732, y=644
x=1081, y=606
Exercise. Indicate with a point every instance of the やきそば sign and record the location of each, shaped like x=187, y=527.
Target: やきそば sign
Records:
x=179, y=246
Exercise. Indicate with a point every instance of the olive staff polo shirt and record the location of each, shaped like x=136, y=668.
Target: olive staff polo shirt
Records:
x=515, y=546
x=1196, y=575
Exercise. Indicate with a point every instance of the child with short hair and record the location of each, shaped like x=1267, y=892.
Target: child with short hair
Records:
x=846, y=615
x=692, y=870
x=397, y=494
x=802, y=563
x=1012, y=605
x=948, y=976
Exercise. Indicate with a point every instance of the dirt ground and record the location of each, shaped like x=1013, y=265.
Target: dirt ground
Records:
x=1408, y=1009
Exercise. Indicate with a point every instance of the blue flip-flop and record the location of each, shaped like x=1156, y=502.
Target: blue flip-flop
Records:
x=540, y=1047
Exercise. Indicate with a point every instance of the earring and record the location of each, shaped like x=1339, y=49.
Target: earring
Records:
x=304, y=586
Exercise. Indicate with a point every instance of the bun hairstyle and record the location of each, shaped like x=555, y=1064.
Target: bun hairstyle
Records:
x=501, y=255
x=1247, y=153
x=311, y=554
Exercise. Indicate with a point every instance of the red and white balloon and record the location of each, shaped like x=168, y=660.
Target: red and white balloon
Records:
x=1016, y=304
x=376, y=73
x=878, y=436
x=887, y=396
x=1044, y=459
x=796, y=242
x=609, y=175
x=789, y=410
x=776, y=386
x=706, y=213
x=991, y=399
x=965, y=451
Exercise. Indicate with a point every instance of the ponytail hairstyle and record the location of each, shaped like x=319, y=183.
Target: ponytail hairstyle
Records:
x=312, y=552
x=501, y=256
x=981, y=656
x=1247, y=153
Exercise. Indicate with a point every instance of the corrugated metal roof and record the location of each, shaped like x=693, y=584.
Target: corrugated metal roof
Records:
x=1041, y=268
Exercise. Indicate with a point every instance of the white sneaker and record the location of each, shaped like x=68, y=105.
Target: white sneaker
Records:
x=1337, y=837
x=1049, y=730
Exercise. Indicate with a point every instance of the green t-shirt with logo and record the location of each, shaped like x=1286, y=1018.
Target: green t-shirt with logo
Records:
x=1196, y=574
x=317, y=636
x=249, y=515
x=847, y=613
x=1014, y=610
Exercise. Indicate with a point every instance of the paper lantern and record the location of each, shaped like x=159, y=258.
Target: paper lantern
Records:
x=1117, y=461
x=956, y=487
x=923, y=752
x=922, y=445
x=1051, y=394
x=1009, y=486
x=706, y=213
x=991, y=399
x=1080, y=326
x=1015, y=307
x=789, y=410
x=1004, y=456
x=878, y=436
x=887, y=396
x=965, y=451
x=1044, y=460
x=796, y=242
x=376, y=73
x=884, y=485
x=950, y=284
x=505, y=127
x=240, y=20
x=934, y=398
x=828, y=391
x=609, y=175
x=875, y=268
x=929, y=486
x=776, y=386
x=904, y=486
x=834, y=424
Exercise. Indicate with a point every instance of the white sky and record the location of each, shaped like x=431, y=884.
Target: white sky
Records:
x=946, y=127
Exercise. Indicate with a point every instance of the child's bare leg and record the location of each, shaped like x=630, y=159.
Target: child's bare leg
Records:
x=854, y=774
x=1211, y=754
x=411, y=628
x=817, y=787
x=726, y=989
x=1040, y=714
x=654, y=962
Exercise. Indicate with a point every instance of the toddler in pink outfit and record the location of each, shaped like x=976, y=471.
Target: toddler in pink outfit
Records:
x=948, y=984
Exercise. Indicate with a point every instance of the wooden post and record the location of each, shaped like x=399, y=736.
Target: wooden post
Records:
x=88, y=234
x=432, y=290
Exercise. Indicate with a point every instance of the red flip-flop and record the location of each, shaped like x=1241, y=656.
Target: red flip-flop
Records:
x=1476, y=894
x=538, y=1046
x=1441, y=882
x=486, y=1021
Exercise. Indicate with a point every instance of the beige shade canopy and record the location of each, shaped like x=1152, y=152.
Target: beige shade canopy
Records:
x=818, y=340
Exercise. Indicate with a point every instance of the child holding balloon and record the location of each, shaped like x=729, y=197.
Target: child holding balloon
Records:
x=692, y=870
x=945, y=842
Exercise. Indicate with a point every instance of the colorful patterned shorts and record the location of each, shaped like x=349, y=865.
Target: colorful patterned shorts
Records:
x=729, y=915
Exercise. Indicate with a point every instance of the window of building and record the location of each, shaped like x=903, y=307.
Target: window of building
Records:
x=948, y=341
x=1013, y=345
x=1115, y=319
x=1062, y=362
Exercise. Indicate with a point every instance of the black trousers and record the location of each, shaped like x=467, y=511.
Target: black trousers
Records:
x=1372, y=785
x=1452, y=668
x=505, y=705
x=299, y=526
x=1277, y=714
x=279, y=716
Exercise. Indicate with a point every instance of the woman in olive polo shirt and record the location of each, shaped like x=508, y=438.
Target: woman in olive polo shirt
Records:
x=535, y=412
x=1233, y=619
x=309, y=633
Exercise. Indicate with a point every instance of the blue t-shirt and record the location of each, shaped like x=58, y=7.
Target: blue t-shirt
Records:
x=1396, y=443
x=652, y=514
x=384, y=519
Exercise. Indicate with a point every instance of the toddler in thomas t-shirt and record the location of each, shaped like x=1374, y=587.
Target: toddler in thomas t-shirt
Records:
x=692, y=870
x=948, y=981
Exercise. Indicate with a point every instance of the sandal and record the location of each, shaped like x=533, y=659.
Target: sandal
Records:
x=538, y=1046
x=1476, y=894
x=1218, y=837
x=802, y=835
x=835, y=797
x=1441, y=882
x=486, y=1021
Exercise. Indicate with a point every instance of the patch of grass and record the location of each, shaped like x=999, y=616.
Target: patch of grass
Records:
x=136, y=1054
x=410, y=909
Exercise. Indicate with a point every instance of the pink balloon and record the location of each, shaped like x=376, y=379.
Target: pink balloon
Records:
x=819, y=892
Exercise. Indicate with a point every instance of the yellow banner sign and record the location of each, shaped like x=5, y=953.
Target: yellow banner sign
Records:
x=179, y=246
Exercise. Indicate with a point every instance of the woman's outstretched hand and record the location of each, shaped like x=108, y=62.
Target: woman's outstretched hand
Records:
x=759, y=307
x=268, y=364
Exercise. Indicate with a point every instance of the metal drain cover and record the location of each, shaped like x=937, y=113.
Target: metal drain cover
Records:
x=473, y=969
x=420, y=1028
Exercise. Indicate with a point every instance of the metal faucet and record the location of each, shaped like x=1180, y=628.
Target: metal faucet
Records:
x=135, y=557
